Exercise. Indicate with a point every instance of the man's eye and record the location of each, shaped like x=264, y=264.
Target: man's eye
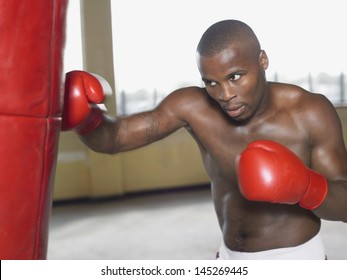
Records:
x=210, y=83
x=234, y=77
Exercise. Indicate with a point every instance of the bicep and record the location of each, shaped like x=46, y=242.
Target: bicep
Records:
x=328, y=155
x=144, y=128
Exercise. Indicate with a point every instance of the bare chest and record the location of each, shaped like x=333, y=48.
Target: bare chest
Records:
x=221, y=142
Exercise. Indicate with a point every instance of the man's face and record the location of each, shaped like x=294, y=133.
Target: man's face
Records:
x=235, y=78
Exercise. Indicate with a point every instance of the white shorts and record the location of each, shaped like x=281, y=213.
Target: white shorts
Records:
x=310, y=250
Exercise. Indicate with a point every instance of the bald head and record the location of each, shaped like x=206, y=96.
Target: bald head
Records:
x=223, y=34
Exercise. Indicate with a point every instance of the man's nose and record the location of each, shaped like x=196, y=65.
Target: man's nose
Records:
x=227, y=93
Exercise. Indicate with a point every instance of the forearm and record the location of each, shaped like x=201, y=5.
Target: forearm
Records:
x=334, y=206
x=114, y=135
x=103, y=139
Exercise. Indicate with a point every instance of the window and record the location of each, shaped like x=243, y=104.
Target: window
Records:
x=155, y=41
x=73, y=42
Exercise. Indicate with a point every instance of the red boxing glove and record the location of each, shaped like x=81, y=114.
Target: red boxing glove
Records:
x=83, y=91
x=268, y=171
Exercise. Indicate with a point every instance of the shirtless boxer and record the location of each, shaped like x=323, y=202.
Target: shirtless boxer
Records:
x=267, y=197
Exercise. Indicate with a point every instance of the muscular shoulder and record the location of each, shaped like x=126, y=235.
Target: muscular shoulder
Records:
x=188, y=96
x=313, y=111
x=187, y=101
x=300, y=100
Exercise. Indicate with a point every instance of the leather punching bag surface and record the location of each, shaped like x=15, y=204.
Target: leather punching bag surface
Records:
x=32, y=36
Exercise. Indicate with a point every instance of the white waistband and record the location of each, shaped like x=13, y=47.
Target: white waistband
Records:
x=310, y=250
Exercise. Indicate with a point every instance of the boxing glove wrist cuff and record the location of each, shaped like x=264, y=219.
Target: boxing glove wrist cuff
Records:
x=316, y=192
x=93, y=120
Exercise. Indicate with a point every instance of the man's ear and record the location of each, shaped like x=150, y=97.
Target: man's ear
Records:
x=263, y=60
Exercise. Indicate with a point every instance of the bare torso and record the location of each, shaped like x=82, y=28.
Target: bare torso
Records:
x=236, y=107
x=288, y=116
x=253, y=226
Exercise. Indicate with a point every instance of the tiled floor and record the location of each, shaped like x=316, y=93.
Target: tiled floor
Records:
x=177, y=225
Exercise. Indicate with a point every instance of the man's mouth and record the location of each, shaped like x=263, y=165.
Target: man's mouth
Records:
x=235, y=111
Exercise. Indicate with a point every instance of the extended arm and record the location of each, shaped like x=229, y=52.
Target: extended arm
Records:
x=105, y=134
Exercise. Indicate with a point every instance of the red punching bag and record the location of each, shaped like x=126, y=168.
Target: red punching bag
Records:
x=32, y=37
